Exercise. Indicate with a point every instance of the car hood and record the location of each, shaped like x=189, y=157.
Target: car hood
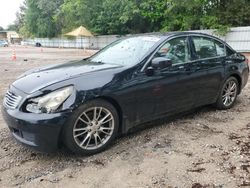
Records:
x=37, y=79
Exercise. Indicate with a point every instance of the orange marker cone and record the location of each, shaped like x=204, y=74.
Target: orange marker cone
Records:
x=13, y=55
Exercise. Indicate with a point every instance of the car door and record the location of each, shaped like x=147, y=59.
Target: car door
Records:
x=208, y=56
x=167, y=90
x=173, y=89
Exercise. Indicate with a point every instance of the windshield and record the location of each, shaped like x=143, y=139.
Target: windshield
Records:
x=126, y=51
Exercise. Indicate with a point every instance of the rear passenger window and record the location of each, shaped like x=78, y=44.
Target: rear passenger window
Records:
x=208, y=48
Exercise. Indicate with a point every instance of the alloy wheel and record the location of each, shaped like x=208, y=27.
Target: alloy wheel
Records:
x=93, y=128
x=229, y=93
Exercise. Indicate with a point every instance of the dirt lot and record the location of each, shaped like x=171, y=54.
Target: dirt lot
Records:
x=206, y=148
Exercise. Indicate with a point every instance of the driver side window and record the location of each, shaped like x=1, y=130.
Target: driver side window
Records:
x=176, y=50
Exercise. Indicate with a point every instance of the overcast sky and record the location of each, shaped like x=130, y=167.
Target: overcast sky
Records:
x=8, y=9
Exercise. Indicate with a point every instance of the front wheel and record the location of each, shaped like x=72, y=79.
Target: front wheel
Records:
x=228, y=94
x=92, y=128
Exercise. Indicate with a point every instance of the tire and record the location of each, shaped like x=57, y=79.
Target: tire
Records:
x=221, y=103
x=96, y=135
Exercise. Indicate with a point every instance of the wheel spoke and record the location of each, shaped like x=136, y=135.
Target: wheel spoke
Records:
x=106, y=128
x=95, y=113
x=232, y=93
x=230, y=85
x=110, y=119
x=80, y=134
x=107, y=133
x=233, y=87
x=96, y=141
x=98, y=136
x=226, y=88
x=84, y=121
x=105, y=117
x=81, y=129
x=86, y=138
x=229, y=100
x=87, y=117
x=99, y=114
x=88, y=142
x=226, y=100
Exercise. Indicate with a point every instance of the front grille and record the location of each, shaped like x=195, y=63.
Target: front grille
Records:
x=11, y=100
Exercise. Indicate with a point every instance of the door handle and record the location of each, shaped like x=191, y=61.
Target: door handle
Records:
x=198, y=69
x=228, y=61
x=187, y=70
x=184, y=68
x=181, y=68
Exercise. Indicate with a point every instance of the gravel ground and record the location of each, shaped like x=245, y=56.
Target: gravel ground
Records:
x=205, y=148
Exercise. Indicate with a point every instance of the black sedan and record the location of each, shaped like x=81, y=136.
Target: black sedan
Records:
x=85, y=104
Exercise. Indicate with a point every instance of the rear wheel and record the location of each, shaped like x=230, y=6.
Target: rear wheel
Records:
x=92, y=128
x=228, y=94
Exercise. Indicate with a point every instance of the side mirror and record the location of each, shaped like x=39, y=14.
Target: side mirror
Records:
x=161, y=62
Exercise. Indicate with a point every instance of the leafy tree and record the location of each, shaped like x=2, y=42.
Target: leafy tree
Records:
x=12, y=27
x=234, y=12
x=49, y=18
x=72, y=14
x=116, y=16
x=1, y=28
x=154, y=12
x=39, y=17
x=20, y=16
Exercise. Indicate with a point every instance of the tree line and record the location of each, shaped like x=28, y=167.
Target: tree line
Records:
x=51, y=18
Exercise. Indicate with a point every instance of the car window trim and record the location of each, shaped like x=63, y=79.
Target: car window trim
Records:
x=208, y=58
x=196, y=60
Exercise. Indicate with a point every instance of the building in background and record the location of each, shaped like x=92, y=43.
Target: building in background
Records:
x=11, y=36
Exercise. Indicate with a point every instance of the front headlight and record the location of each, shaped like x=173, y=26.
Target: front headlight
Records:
x=50, y=102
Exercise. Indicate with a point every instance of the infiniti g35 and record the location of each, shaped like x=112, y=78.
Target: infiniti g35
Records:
x=85, y=104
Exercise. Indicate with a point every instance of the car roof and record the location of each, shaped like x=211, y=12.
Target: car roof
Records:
x=177, y=33
x=167, y=35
